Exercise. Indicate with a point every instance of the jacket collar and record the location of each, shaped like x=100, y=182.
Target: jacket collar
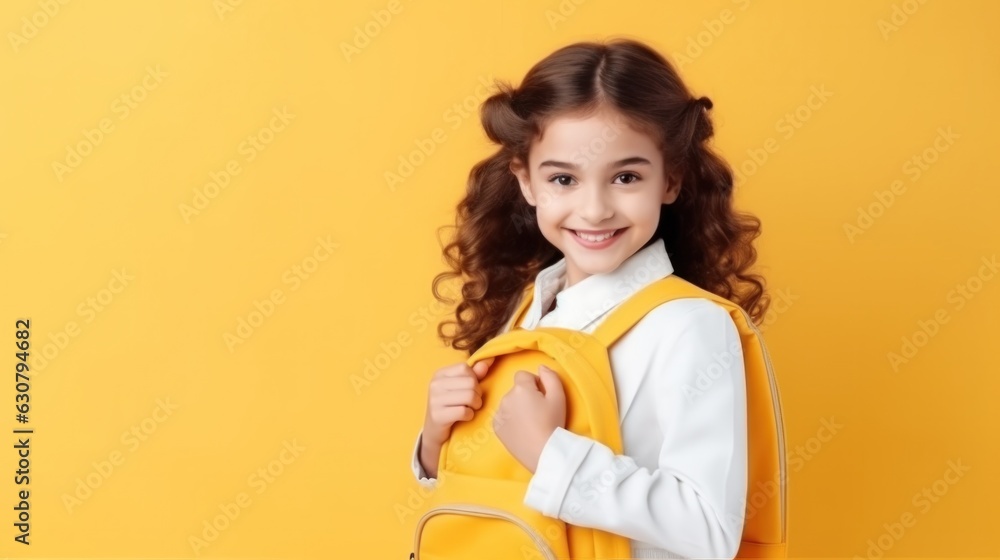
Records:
x=583, y=303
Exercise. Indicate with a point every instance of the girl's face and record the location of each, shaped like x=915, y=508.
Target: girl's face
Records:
x=593, y=176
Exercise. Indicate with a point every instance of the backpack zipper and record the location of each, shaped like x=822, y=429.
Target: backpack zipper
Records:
x=781, y=429
x=481, y=511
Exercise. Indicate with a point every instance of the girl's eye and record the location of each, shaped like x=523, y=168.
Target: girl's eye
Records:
x=630, y=174
x=557, y=179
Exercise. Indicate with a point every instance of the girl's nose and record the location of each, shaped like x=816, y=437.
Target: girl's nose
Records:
x=595, y=207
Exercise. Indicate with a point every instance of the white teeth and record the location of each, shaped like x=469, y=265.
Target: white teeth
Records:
x=594, y=238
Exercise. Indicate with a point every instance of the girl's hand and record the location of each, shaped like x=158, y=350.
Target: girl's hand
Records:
x=453, y=395
x=527, y=416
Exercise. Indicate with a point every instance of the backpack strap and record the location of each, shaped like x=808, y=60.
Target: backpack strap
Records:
x=623, y=318
x=632, y=310
x=764, y=533
x=522, y=307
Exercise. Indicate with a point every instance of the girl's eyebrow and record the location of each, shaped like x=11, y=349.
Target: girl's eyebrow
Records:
x=634, y=160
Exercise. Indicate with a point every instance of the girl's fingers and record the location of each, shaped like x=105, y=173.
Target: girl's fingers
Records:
x=458, y=383
x=552, y=385
x=458, y=370
x=481, y=367
x=526, y=379
x=463, y=397
x=457, y=413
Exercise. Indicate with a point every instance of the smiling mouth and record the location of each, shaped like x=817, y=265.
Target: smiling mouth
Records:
x=598, y=236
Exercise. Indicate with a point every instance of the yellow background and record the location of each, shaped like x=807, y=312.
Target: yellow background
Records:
x=896, y=73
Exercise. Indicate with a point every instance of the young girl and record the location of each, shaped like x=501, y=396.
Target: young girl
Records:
x=604, y=183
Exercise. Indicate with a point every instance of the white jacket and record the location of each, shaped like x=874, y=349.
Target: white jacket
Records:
x=679, y=490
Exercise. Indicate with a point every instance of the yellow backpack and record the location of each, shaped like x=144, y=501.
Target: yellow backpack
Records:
x=476, y=510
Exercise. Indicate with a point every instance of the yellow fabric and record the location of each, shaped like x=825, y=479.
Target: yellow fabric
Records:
x=477, y=510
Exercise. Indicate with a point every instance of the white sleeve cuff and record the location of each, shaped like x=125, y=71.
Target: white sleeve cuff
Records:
x=562, y=455
x=418, y=469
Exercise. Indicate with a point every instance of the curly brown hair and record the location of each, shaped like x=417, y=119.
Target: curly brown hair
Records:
x=498, y=248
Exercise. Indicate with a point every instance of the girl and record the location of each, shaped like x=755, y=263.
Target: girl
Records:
x=603, y=183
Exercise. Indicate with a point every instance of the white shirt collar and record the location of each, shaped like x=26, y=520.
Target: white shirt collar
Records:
x=589, y=299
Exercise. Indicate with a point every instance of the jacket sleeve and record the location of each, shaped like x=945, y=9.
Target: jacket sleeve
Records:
x=693, y=503
x=418, y=469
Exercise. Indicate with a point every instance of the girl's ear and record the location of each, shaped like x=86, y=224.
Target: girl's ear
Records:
x=518, y=169
x=673, y=188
